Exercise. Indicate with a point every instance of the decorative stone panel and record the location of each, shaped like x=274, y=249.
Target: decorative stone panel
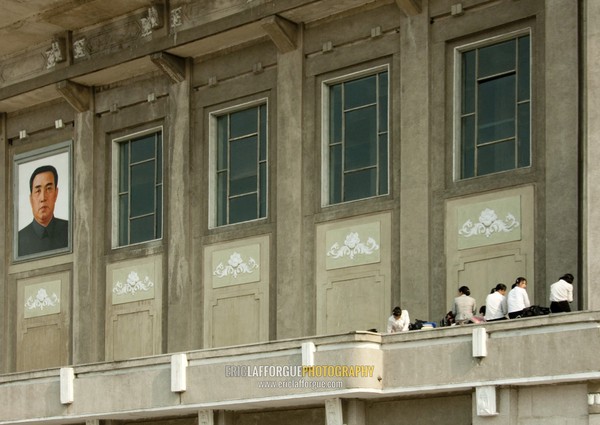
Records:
x=489, y=240
x=43, y=321
x=134, y=308
x=236, y=297
x=353, y=275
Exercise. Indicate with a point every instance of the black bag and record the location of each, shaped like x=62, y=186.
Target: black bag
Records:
x=535, y=310
x=416, y=326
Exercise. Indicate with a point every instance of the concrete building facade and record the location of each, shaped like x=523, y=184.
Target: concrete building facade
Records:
x=247, y=188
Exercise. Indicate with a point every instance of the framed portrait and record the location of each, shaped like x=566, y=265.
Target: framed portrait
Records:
x=42, y=199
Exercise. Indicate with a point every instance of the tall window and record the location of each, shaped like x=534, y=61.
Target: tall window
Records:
x=241, y=165
x=139, y=204
x=495, y=107
x=356, y=131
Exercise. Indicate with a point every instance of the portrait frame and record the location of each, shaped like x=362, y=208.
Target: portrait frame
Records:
x=60, y=156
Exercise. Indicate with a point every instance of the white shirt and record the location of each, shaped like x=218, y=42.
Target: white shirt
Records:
x=517, y=299
x=561, y=291
x=400, y=324
x=495, y=306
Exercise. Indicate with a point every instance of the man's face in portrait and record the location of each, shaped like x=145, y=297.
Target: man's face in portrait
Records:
x=43, y=197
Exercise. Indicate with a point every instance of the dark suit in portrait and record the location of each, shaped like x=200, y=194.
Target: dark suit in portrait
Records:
x=36, y=238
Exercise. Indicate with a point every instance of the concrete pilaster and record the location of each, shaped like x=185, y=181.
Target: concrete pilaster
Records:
x=561, y=143
x=411, y=139
x=181, y=335
x=591, y=137
x=291, y=310
x=88, y=296
x=6, y=238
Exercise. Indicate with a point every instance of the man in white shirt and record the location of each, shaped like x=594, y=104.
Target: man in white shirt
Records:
x=495, y=304
x=517, y=299
x=561, y=294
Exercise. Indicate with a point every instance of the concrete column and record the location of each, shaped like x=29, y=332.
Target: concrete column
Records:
x=290, y=251
x=355, y=412
x=591, y=146
x=6, y=204
x=181, y=335
x=88, y=297
x=561, y=143
x=411, y=138
x=224, y=417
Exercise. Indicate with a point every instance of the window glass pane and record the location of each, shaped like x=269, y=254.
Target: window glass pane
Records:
x=496, y=157
x=158, y=221
x=468, y=82
x=222, y=142
x=158, y=158
x=263, y=189
x=496, y=107
x=142, y=188
x=383, y=101
x=335, y=174
x=468, y=146
x=263, y=132
x=123, y=219
x=142, y=148
x=243, y=208
x=524, y=135
x=383, y=161
x=361, y=138
x=142, y=229
x=221, y=198
x=243, y=173
x=123, y=167
x=360, y=184
x=523, y=70
x=360, y=92
x=497, y=58
x=335, y=114
x=243, y=123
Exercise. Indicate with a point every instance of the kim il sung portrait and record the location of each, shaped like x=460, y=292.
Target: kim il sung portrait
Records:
x=42, y=220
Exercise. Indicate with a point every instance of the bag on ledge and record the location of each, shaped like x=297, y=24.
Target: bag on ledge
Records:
x=535, y=310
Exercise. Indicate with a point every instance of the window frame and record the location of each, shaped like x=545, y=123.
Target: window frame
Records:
x=213, y=117
x=325, y=126
x=115, y=144
x=457, y=98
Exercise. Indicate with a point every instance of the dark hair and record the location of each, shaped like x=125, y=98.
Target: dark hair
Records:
x=43, y=169
x=568, y=278
x=464, y=290
x=519, y=280
x=397, y=311
x=482, y=310
x=500, y=287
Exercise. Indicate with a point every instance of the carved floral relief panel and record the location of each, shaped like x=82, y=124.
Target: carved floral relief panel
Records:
x=42, y=299
x=354, y=245
x=133, y=282
x=236, y=266
x=488, y=223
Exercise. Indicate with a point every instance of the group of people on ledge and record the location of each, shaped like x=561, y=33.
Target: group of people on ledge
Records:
x=498, y=304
